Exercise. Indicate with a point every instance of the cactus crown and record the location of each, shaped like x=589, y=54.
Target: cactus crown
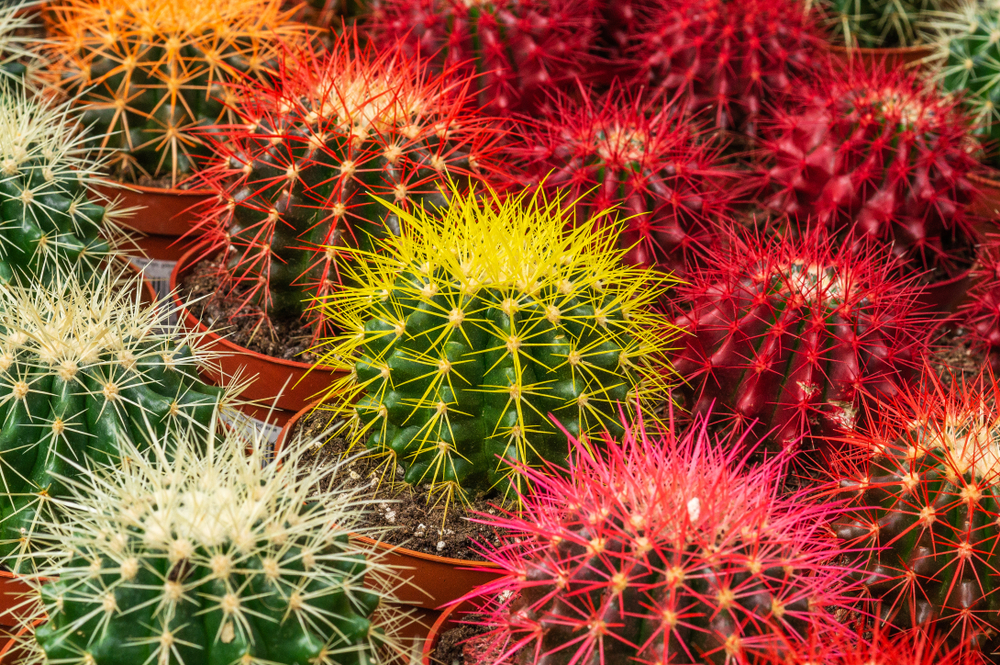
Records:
x=337, y=128
x=148, y=75
x=83, y=364
x=667, y=548
x=466, y=331
x=182, y=552
x=652, y=160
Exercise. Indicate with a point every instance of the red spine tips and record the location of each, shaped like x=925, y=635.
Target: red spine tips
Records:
x=794, y=335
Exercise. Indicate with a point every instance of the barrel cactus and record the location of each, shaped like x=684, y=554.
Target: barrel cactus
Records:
x=188, y=554
x=296, y=182
x=668, y=548
x=20, y=59
x=968, y=65
x=923, y=478
x=468, y=332
x=793, y=336
x=147, y=76
x=880, y=23
x=51, y=221
x=83, y=365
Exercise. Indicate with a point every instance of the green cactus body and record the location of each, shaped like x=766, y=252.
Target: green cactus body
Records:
x=295, y=184
x=207, y=555
x=879, y=23
x=969, y=56
x=48, y=222
x=148, y=76
x=464, y=340
x=80, y=370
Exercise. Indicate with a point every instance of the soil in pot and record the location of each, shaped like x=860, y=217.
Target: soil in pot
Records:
x=465, y=645
x=410, y=519
x=239, y=321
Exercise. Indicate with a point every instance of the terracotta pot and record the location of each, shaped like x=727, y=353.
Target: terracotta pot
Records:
x=942, y=298
x=887, y=58
x=13, y=591
x=168, y=212
x=986, y=205
x=444, y=623
x=299, y=383
x=430, y=581
x=11, y=653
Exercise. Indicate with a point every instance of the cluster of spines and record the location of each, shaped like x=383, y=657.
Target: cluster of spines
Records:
x=665, y=548
x=875, y=153
x=84, y=365
x=466, y=331
x=296, y=185
x=148, y=76
x=880, y=23
x=922, y=474
x=187, y=552
x=643, y=157
x=794, y=336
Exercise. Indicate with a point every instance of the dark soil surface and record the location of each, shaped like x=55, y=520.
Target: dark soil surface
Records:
x=463, y=646
x=411, y=518
x=242, y=324
x=956, y=358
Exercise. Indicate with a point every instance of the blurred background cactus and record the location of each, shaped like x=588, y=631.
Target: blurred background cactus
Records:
x=147, y=76
x=465, y=334
x=880, y=23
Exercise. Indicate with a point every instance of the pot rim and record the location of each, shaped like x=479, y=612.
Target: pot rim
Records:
x=184, y=313
x=985, y=179
x=430, y=644
x=381, y=545
x=146, y=189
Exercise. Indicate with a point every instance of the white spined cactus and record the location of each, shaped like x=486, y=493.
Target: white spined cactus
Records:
x=184, y=554
x=83, y=366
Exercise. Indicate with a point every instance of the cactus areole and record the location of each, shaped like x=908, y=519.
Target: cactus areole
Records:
x=925, y=483
x=791, y=335
x=470, y=330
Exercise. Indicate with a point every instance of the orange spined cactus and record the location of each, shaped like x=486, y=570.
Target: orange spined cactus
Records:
x=148, y=74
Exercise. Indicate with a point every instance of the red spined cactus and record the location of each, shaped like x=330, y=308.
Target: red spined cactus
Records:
x=663, y=548
x=520, y=50
x=790, y=335
x=923, y=474
x=298, y=180
x=875, y=154
x=916, y=647
x=980, y=312
x=648, y=158
x=730, y=59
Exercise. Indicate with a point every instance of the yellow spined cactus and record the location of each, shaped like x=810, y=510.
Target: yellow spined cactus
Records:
x=148, y=75
x=482, y=330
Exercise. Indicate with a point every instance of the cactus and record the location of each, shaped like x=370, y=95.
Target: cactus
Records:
x=876, y=154
x=296, y=184
x=147, y=76
x=794, y=334
x=669, y=548
x=650, y=161
x=49, y=218
x=467, y=331
x=19, y=56
x=209, y=556
x=520, y=50
x=967, y=55
x=730, y=59
x=923, y=476
x=980, y=311
x=915, y=647
x=82, y=365
x=879, y=23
